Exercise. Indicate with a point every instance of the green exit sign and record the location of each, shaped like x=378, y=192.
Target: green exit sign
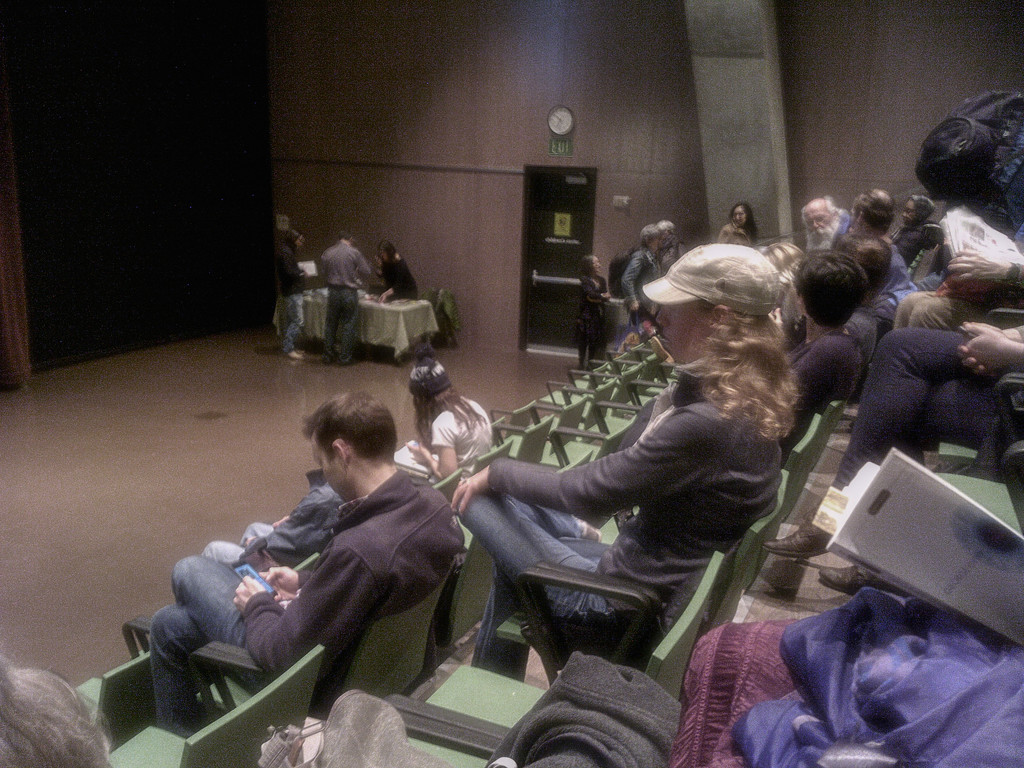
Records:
x=560, y=146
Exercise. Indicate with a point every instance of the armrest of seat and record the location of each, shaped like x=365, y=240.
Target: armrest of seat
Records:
x=497, y=414
x=613, y=405
x=136, y=635
x=1005, y=317
x=557, y=435
x=551, y=407
x=445, y=728
x=501, y=416
x=598, y=437
x=636, y=386
x=211, y=663
x=1010, y=392
x=498, y=428
x=1013, y=474
x=576, y=373
x=556, y=388
x=539, y=628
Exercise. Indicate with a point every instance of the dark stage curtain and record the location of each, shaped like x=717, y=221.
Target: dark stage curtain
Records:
x=14, y=355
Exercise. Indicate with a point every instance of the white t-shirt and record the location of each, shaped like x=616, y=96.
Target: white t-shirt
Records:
x=468, y=440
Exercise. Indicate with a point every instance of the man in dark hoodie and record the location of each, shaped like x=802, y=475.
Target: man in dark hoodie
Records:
x=393, y=545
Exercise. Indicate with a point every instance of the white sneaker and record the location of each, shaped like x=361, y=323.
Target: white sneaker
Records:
x=296, y=355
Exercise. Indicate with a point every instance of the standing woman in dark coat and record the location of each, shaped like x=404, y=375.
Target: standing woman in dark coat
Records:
x=590, y=324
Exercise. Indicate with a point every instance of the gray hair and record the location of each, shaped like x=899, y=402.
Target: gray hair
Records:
x=830, y=206
x=665, y=226
x=648, y=233
x=44, y=723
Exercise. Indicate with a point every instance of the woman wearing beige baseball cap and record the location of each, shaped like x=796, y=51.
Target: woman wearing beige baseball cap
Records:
x=706, y=466
x=716, y=302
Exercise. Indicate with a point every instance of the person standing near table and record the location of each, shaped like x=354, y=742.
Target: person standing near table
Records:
x=290, y=277
x=346, y=269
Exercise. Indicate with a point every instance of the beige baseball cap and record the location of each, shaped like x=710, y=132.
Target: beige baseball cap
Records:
x=735, y=276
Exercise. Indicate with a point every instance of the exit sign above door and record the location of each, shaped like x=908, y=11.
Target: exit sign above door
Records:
x=560, y=146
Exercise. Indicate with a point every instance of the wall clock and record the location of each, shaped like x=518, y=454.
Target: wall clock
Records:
x=561, y=121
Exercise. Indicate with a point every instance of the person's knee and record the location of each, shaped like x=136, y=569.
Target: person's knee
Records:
x=933, y=312
x=168, y=627
x=481, y=508
x=223, y=551
x=191, y=574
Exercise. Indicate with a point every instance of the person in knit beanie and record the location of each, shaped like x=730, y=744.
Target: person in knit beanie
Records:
x=452, y=430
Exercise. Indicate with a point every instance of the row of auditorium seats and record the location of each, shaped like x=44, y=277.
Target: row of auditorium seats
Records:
x=577, y=421
x=463, y=720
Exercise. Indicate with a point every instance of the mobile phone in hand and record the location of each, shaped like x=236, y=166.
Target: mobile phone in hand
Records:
x=247, y=570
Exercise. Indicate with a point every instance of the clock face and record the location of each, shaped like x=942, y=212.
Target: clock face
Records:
x=560, y=121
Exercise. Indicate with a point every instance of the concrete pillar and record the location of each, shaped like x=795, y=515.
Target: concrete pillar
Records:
x=739, y=103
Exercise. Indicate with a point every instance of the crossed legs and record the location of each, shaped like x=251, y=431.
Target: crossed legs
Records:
x=519, y=535
x=203, y=611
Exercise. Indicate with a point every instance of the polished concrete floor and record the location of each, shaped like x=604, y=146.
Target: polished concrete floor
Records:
x=114, y=469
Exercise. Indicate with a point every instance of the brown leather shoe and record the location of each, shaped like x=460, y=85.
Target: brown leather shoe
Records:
x=806, y=541
x=849, y=579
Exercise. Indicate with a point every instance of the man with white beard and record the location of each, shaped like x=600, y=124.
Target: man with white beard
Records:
x=823, y=222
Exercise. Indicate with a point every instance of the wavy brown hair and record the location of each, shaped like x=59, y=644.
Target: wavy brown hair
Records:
x=429, y=407
x=746, y=374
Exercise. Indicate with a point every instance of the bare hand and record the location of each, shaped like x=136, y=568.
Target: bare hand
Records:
x=282, y=520
x=990, y=350
x=421, y=454
x=283, y=579
x=469, y=489
x=245, y=591
x=970, y=264
x=634, y=306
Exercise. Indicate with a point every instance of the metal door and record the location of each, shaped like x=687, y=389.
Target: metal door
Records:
x=558, y=231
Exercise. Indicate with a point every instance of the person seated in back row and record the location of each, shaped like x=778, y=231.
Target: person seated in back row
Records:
x=923, y=386
x=827, y=363
x=706, y=466
x=873, y=255
x=455, y=428
x=291, y=539
x=393, y=544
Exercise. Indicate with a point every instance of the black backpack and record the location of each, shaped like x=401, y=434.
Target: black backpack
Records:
x=964, y=155
x=616, y=267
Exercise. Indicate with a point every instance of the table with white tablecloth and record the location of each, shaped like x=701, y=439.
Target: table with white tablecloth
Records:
x=396, y=324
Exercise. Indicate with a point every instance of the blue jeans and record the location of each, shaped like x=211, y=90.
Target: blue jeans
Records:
x=203, y=612
x=228, y=552
x=1012, y=179
x=342, y=315
x=519, y=535
x=917, y=392
x=293, y=307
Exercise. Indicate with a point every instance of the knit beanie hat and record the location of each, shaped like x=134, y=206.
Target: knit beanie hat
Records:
x=428, y=376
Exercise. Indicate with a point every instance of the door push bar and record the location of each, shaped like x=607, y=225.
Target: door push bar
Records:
x=551, y=280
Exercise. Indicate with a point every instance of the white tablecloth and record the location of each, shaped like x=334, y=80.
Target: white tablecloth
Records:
x=395, y=324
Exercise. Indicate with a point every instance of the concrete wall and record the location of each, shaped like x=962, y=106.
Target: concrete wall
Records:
x=739, y=100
